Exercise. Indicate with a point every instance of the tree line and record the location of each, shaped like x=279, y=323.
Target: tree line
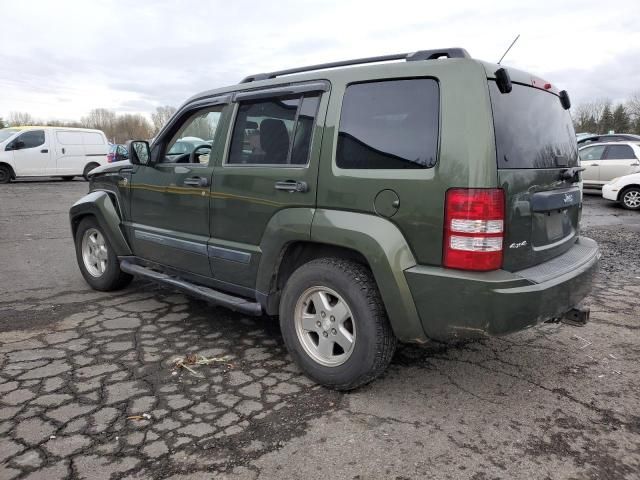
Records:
x=602, y=116
x=597, y=116
x=117, y=127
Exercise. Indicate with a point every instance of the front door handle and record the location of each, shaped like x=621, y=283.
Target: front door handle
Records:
x=196, y=182
x=63, y=151
x=44, y=150
x=292, y=186
x=635, y=164
x=594, y=165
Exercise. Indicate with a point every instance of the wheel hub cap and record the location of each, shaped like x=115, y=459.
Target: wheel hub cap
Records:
x=94, y=252
x=325, y=326
x=632, y=199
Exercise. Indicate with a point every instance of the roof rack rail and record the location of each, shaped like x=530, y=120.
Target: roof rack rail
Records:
x=409, y=57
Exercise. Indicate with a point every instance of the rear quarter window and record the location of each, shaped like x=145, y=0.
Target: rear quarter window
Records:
x=92, y=138
x=391, y=124
x=69, y=138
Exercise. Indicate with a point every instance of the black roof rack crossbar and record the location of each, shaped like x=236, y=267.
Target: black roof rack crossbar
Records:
x=409, y=57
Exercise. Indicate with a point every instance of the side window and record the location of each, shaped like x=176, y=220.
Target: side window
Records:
x=619, y=152
x=592, y=153
x=197, y=134
x=389, y=125
x=30, y=139
x=274, y=131
x=122, y=151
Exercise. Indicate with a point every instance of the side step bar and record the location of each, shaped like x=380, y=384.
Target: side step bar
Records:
x=231, y=302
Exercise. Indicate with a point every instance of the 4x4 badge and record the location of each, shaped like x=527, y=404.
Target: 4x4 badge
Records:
x=519, y=244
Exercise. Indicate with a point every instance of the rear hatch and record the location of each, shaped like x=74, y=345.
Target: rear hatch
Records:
x=535, y=145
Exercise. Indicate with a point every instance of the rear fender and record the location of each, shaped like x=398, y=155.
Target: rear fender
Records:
x=100, y=205
x=388, y=255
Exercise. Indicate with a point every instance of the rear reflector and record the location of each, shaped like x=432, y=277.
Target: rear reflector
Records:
x=474, y=229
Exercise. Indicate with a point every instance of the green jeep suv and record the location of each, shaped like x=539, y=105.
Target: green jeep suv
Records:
x=410, y=197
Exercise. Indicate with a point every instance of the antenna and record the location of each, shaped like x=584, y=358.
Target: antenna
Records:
x=512, y=44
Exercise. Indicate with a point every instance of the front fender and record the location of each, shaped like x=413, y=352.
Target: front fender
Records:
x=100, y=205
x=388, y=254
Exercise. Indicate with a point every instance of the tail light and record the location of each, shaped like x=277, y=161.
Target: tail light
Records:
x=111, y=157
x=474, y=229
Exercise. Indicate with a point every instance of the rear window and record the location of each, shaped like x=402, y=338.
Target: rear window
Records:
x=532, y=129
x=391, y=124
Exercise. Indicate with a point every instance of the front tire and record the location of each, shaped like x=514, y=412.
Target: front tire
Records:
x=98, y=263
x=334, y=323
x=5, y=174
x=88, y=168
x=630, y=198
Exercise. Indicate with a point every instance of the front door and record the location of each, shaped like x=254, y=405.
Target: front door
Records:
x=170, y=196
x=618, y=160
x=31, y=153
x=271, y=167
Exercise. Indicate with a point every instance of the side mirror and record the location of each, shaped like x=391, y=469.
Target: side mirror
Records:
x=139, y=152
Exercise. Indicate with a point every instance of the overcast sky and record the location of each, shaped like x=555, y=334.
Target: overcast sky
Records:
x=59, y=59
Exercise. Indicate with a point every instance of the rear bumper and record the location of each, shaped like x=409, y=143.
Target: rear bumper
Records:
x=456, y=304
x=610, y=192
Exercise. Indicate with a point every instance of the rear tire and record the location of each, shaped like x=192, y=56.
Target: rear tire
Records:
x=5, y=174
x=88, y=168
x=630, y=198
x=334, y=323
x=98, y=263
x=67, y=178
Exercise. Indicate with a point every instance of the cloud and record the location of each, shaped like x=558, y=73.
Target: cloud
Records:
x=61, y=59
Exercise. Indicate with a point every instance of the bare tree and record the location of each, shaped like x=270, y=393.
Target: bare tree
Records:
x=101, y=119
x=18, y=119
x=633, y=105
x=132, y=127
x=161, y=116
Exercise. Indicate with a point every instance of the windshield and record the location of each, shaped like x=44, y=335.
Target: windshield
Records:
x=532, y=129
x=7, y=132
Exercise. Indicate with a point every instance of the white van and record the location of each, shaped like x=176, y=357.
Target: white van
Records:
x=50, y=151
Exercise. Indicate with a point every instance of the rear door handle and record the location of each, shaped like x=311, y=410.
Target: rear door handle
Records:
x=292, y=186
x=196, y=182
x=44, y=150
x=635, y=164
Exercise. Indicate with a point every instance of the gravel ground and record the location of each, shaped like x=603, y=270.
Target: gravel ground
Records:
x=88, y=388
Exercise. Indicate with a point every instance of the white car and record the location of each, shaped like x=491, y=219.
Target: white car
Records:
x=51, y=152
x=604, y=161
x=625, y=190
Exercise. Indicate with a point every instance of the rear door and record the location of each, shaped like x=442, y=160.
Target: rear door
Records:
x=590, y=158
x=618, y=160
x=535, y=144
x=271, y=165
x=69, y=152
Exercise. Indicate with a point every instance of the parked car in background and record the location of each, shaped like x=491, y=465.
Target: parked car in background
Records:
x=117, y=153
x=50, y=152
x=614, y=137
x=624, y=190
x=356, y=203
x=604, y=161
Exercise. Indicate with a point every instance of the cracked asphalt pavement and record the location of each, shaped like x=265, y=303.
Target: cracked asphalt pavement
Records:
x=88, y=387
